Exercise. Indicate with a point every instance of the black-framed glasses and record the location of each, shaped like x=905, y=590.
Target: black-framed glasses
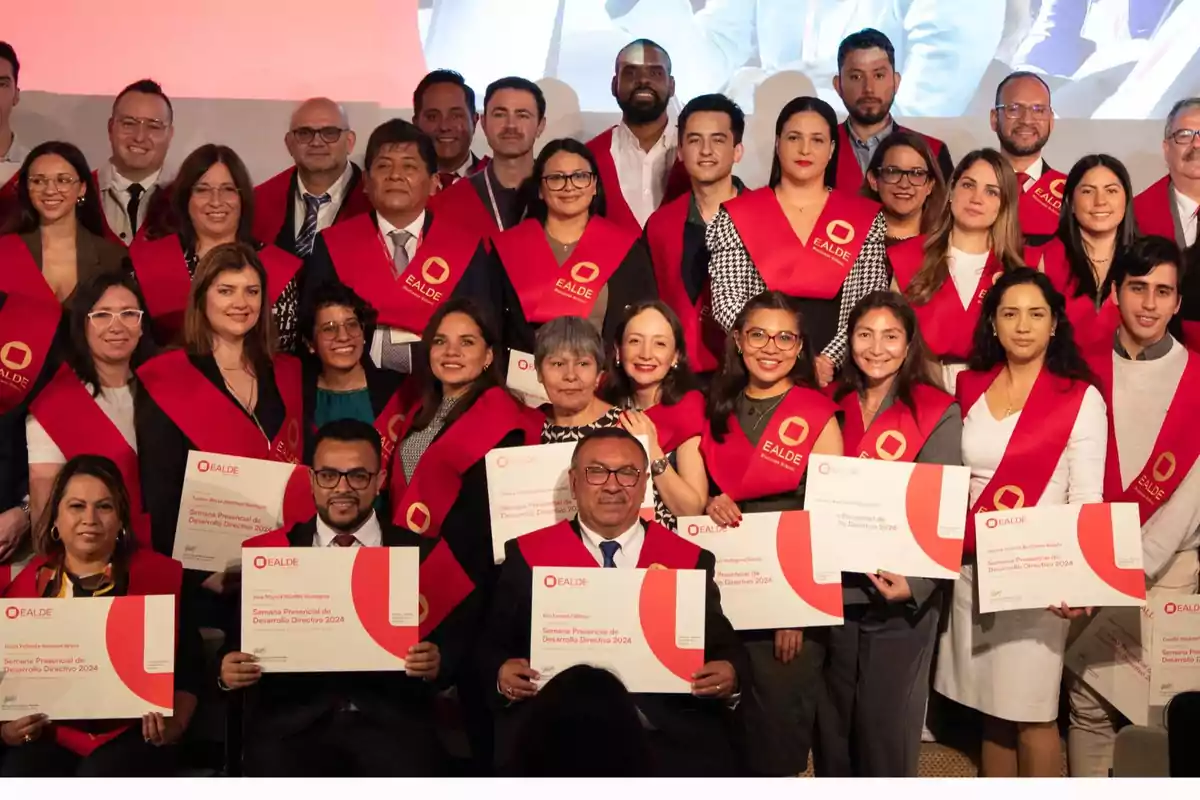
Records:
x=358, y=479
x=917, y=176
x=1018, y=110
x=330, y=330
x=1183, y=136
x=128, y=317
x=786, y=341
x=557, y=181
x=597, y=475
x=41, y=183
x=329, y=134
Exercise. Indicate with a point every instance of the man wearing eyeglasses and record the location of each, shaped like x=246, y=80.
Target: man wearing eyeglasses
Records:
x=690, y=735
x=358, y=724
x=13, y=152
x=1023, y=120
x=139, y=131
x=1170, y=206
x=322, y=188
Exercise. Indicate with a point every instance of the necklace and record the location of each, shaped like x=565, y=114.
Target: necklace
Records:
x=764, y=415
x=248, y=406
x=1010, y=407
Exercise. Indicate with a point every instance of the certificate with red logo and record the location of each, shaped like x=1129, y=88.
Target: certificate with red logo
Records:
x=529, y=489
x=896, y=516
x=88, y=657
x=1175, y=649
x=330, y=609
x=1110, y=657
x=766, y=573
x=227, y=500
x=523, y=379
x=1081, y=555
x=646, y=625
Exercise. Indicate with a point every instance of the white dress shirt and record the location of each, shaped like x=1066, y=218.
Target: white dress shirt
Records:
x=369, y=534
x=1034, y=171
x=117, y=404
x=114, y=196
x=643, y=175
x=16, y=152
x=965, y=271
x=630, y=541
x=327, y=213
x=385, y=228
x=1186, y=207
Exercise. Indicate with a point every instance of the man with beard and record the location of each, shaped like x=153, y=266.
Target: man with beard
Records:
x=130, y=182
x=444, y=108
x=637, y=157
x=867, y=82
x=355, y=724
x=1023, y=121
x=514, y=116
x=1169, y=207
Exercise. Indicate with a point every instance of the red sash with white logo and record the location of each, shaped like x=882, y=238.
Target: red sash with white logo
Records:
x=1092, y=328
x=212, y=421
x=547, y=290
x=704, y=338
x=816, y=269
x=948, y=328
x=1037, y=443
x=560, y=546
x=1039, y=206
x=462, y=202
x=1153, y=210
x=29, y=320
x=780, y=460
x=895, y=434
x=618, y=211
x=390, y=422
x=1175, y=450
x=72, y=419
x=362, y=263
x=679, y=422
x=421, y=505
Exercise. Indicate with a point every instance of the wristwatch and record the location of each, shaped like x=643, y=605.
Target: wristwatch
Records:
x=658, y=466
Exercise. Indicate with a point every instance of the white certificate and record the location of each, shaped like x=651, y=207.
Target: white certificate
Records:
x=330, y=609
x=227, y=500
x=646, y=625
x=1109, y=656
x=523, y=379
x=528, y=489
x=888, y=515
x=1081, y=555
x=765, y=571
x=88, y=657
x=1175, y=651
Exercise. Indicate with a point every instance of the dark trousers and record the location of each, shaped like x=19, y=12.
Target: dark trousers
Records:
x=344, y=744
x=127, y=756
x=877, y=680
x=778, y=714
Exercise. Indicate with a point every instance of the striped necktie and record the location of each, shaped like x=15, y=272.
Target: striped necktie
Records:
x=308, y=230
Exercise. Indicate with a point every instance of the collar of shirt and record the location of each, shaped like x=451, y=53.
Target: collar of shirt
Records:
x=1034, y=171
x=16, y=152
x=416, y=227
x=1151, y=353
x=1186, y=205
x=871, y=142
x=630, y=541
x=694, y=217
x=110, y=178
x=336, y=192
x=464, y=169
x=627, y=141
x=369, y=534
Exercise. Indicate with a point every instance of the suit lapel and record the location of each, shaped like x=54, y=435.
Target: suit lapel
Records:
x=303, y=534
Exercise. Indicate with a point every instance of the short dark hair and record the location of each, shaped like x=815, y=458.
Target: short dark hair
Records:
x=1142, y=256
x=615, y=432
x=865, y=39
x=334, y=293
x=398, y=131
x=78, y=355
x=1015, y=76
x=349, y=430
x=521, y=84
x=9, y=54
x=444, y=76
x=718, y=103
x=145, y=86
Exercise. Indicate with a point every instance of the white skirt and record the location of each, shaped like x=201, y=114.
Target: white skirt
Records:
x=1007, y=664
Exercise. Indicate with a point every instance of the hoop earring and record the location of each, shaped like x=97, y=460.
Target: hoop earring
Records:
x=123, y=537
x=54, y=535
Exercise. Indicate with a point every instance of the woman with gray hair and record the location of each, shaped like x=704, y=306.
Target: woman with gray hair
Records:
x=568, y=354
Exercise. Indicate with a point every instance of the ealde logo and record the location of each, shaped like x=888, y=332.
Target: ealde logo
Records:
x=1056, y=187
x=839, y=231
x=1181, y=608
x=695, y=530
x=993, y=522
x=824, y=469
x=418, y=517
x=793, y=431
x=1008, y=497
x=392, y=426
x=262, y=562
x=551, y=582
x=891, y=445
x=16, y=356
x=1164, y=467
x=435, y=270
x=12, y=612
x=212, y=466
x=585, y=272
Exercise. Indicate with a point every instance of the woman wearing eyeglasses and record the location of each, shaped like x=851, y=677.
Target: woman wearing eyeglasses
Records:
x=905, y=178
x=212, y=203
x=765, y=418
x=566, y=259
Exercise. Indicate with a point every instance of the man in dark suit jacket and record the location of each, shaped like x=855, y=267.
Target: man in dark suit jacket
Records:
x=377, y=724
x=690, y=735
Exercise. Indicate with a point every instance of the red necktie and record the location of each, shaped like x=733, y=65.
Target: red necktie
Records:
x=1022, y=179
x=447, y=179
x=345, y=539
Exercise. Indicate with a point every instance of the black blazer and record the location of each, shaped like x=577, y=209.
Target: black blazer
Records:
x=704, y=727
x=381, y=385
x=286, y=238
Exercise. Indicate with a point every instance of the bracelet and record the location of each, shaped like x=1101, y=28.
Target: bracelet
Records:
x=222, y=685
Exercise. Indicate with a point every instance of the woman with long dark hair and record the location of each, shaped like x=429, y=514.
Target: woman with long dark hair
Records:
x=823, y=246
x=650, y=379
x=765, y=418
x=877, y=664
x=212, y=203
x=1096, y=226
x=905, y=178
x=566, y=259
x=1035, y=432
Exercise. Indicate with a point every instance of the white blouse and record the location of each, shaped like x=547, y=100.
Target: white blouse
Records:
x=965, y=270
x=117, y=405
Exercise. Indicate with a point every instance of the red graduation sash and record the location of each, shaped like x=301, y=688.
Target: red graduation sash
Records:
x=1037, y=443
x=618, y=211
x=462, y=202
x=1092, y=328
x=560, y=546
x=679, y=422
x=8, y=196
x=72, y=419
x=29, y=320
x=1039, y=206
x=1152, y=209
x=547, y=290
x=389, y=424
x=271, y=198
x=1175, y=450
x=816, y=269
x=895, y=434
x=850, y=175
x=948, y=328
x=704, y=338
x=422, y=504
x=361, y=260
x=780, y=460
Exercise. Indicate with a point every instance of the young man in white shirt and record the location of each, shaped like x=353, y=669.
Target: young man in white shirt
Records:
x=140, y=130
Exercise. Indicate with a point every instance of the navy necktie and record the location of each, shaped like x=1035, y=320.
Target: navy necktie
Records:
x=308, y=230
x=135, y=202
x=609, y=551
